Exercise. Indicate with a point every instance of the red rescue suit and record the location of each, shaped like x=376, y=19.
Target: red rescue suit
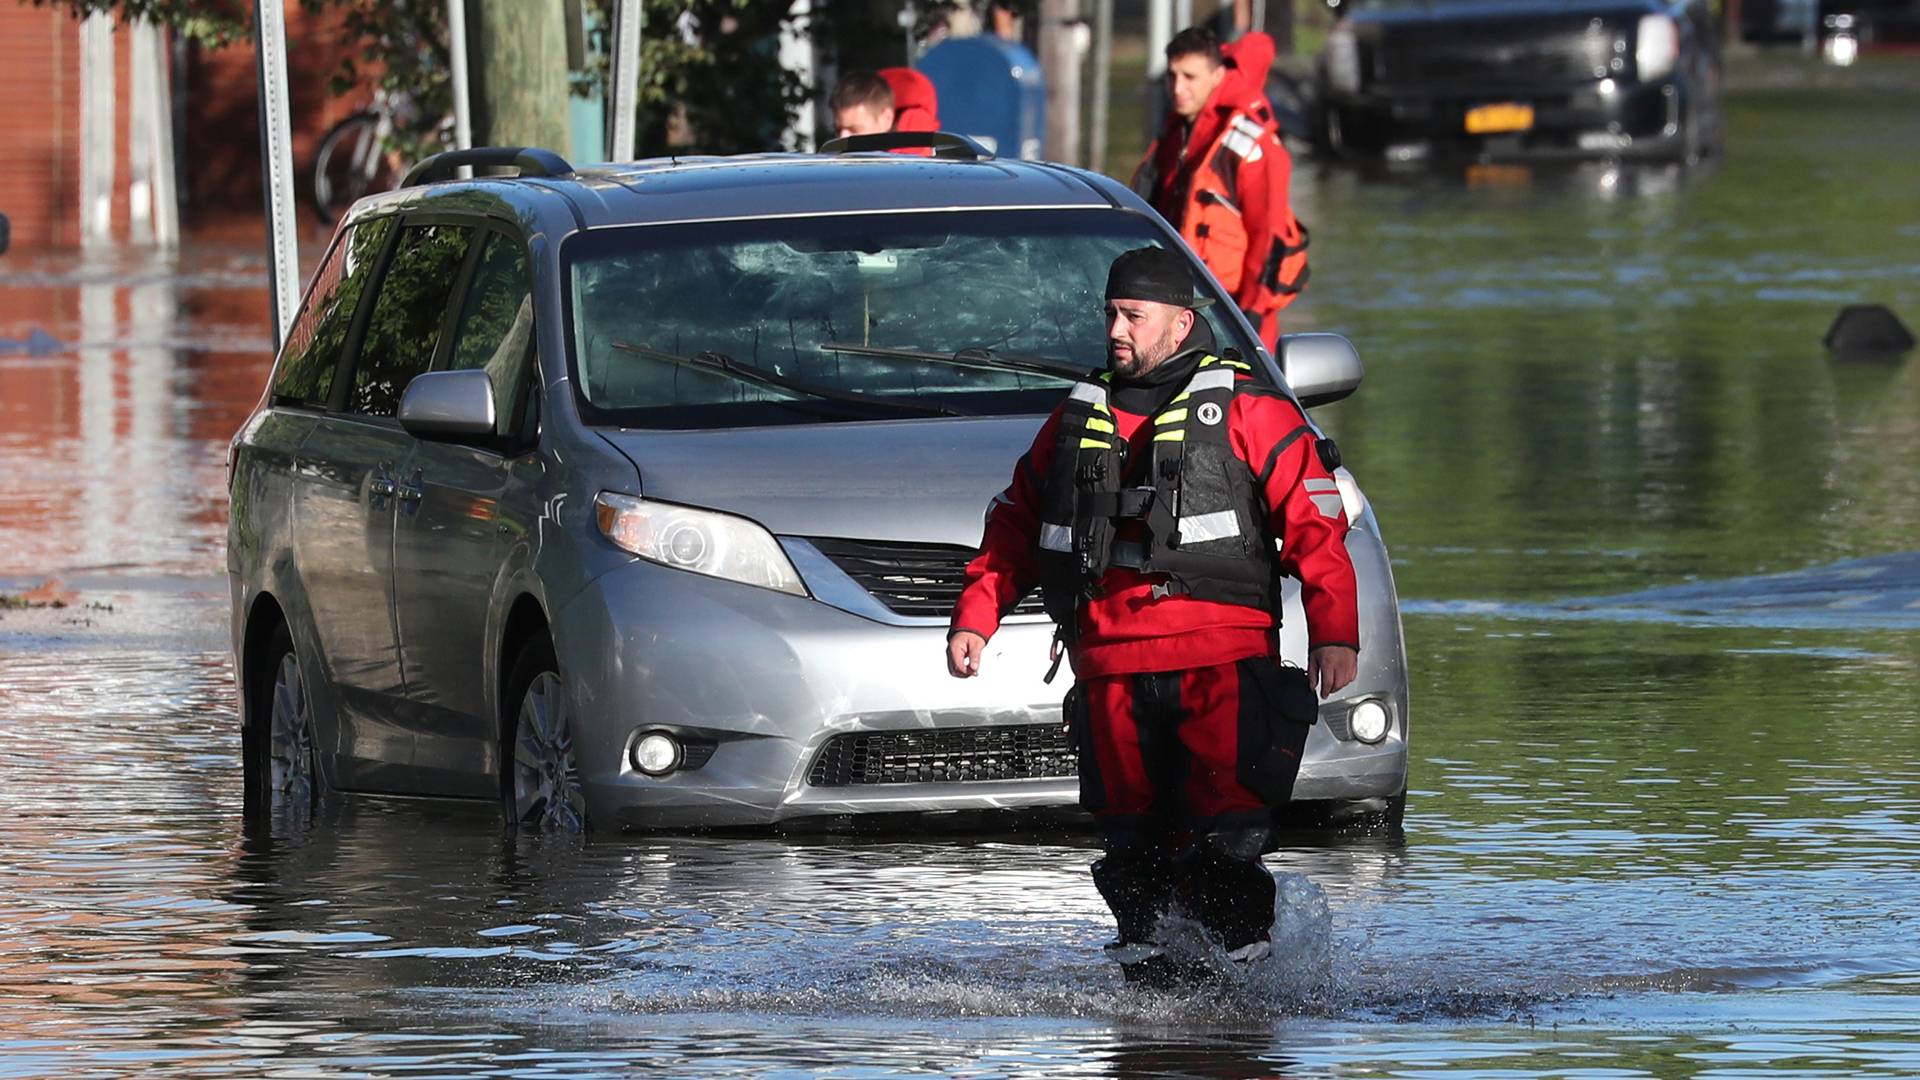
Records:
x=1224, y=182
x=1189, y=730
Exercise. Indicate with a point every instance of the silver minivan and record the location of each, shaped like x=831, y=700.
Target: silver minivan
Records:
x=638, y=496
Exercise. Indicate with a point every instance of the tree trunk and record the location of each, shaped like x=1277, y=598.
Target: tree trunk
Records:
x=1060, y=60
x=518, y=54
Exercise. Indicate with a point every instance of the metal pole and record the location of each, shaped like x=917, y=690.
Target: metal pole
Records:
x=1102, y=83
x=1182, y=15
x=97, y=159
x=141, y=105
x=1060, y=60
x=457, y=69
x=625, y=76
x=1159, y=32
x=276, y=162
x=796, y=55
x=159, y=93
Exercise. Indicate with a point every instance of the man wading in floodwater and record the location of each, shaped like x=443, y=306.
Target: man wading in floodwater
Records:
x=1148, y=512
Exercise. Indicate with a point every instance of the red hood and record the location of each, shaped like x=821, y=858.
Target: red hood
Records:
x=916, y=107
x=1248, y=62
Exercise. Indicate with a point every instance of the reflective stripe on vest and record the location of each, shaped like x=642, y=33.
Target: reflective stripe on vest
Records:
x=1215, y=526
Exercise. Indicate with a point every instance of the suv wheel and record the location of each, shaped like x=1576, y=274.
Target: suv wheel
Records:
x=540, y=782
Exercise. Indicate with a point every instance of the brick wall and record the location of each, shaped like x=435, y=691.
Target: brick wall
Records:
x=223, y=125
x=40, y=125
x=220, y=185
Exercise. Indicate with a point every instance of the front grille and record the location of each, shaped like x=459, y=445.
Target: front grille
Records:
x=910, y=579
x=1520, y=54
x=944, y=755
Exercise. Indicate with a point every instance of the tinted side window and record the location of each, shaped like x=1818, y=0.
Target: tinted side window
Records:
x=496, y=325
x=404, y=328
x=314, y=341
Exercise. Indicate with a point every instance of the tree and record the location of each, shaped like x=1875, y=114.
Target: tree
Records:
x=711, y=64
x=517, y=52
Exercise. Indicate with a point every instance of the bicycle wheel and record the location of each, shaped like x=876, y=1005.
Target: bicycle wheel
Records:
x=350, y=163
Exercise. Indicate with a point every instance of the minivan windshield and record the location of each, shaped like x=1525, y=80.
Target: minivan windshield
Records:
x=874, y=316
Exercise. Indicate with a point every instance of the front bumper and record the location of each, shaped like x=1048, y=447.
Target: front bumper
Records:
x=766, y=680
x=1605, y=118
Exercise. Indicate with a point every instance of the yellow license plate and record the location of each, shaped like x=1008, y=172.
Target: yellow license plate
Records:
x=1492, y=119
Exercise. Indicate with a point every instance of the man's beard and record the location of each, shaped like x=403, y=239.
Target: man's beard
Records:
x=1141, y=362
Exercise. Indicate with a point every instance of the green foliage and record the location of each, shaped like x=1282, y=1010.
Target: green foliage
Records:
x=211, y=22
x=406, y=43
x=718, y=61
x=712, y=65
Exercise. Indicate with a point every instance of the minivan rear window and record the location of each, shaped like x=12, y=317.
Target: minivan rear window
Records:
x=875, y=316
x=307, y=364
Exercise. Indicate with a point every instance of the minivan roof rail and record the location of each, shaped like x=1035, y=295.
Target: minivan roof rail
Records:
x=944, y=144
x=530, y=160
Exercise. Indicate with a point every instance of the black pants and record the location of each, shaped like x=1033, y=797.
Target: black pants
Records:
x=1182, y=770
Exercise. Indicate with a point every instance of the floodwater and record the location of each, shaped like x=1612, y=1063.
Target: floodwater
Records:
x=1657, y=550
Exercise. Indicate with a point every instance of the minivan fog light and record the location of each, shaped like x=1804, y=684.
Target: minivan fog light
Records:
x=656, y=753
x=1368, y=721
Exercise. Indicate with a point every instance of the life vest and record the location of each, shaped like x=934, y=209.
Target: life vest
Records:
x=1203, y=523
x=1211, y=222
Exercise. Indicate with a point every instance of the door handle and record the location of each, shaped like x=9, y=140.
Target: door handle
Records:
x=412, y=492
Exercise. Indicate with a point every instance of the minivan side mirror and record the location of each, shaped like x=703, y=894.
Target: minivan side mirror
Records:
x=448, y=405
x=1321, y=368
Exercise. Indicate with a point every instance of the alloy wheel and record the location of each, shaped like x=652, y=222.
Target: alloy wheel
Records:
x=546, y=780
x=290, y=775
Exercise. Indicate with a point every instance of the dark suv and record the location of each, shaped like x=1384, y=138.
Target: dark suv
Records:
x=1492, y=78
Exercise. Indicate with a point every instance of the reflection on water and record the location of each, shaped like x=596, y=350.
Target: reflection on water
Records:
x=113, y=444
x=1656, y=550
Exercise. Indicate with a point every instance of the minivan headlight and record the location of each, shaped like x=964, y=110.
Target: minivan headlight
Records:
x=703, y=541
x=1656, y=46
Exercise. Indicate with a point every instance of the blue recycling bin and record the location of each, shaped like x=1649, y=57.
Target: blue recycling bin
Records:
x=990, y=91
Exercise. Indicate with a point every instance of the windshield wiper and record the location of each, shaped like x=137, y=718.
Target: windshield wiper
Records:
x=708, y=360
x=973, y=356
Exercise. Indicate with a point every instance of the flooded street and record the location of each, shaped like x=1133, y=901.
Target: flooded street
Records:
x=1656, y=551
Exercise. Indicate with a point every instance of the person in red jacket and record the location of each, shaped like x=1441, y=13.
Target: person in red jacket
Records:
x=1157, y=509
x=1219, y=173
x=891, y=99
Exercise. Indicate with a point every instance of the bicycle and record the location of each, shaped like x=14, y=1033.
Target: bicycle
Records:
x=352, y=160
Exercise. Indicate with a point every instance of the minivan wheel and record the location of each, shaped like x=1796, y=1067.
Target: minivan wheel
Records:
x=277, y=755
x=540, y=783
